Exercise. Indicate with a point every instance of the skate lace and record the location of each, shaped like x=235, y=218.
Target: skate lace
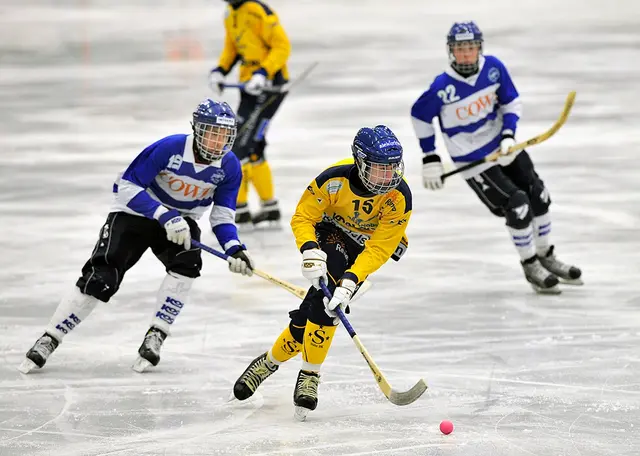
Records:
x=257, y=374
x=44, y=346
x=308, y=385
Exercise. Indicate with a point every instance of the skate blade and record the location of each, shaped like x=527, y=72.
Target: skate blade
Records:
x=140, y=365
x=244, y=227
x=575, y=282
x=300, y=413
x=268, y=226
x=27, y=366
x=555, y=290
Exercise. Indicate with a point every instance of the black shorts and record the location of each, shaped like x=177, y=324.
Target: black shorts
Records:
x=255, y=114
x=497, y=186
x=341, y=254
x=122, y=241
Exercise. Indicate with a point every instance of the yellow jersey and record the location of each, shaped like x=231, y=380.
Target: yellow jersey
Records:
x=255, y=37
x=375, y=222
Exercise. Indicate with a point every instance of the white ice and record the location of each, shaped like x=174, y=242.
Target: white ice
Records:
x=85, y=84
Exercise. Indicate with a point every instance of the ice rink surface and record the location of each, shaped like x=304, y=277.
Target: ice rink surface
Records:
x=85, y=85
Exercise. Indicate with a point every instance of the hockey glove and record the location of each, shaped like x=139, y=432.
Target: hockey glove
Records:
x=432, y=172
x=241, y=263
x=257, y=83
x=216, y=78
x=341, y=297
x=177, y=228
x=314, y=266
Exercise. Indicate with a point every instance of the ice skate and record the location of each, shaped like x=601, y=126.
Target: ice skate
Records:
x=541, y=280
x=244, y=222
x=268, y=217
x=567, y=273
x=305, y=395
x=38, y=354
x=258, y=371
x=149, y=351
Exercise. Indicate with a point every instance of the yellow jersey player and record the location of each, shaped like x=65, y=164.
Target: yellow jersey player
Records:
x=254, y=37
x=350, y=220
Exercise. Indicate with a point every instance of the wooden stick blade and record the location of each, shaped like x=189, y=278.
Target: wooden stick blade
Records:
x=408, y=397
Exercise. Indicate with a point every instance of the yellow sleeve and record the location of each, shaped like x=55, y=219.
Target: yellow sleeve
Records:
x=229, y=53
x=308, y=213
x=273, y=34
x=385, y=239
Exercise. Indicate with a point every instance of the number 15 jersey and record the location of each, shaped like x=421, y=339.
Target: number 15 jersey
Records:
x=375, y=222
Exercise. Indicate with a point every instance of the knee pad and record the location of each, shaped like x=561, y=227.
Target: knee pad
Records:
x=101, y=283
x=540, y=199
x=518, y=211
x=187, y=264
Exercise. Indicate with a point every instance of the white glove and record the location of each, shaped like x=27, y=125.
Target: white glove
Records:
x=314, y=266
x=178, y=231
x=256, y=84
x=341, y=297
x=432, y=175
x=505, y=144
x=215, y=79
x=241, y=263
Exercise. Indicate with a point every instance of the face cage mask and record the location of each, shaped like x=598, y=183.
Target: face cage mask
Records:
x=465, y=69
x=214, y=141
x=384, y=178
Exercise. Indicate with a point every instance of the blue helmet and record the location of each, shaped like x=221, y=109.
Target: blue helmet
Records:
x=214, y=129
x=378, y=157
x=469, y=33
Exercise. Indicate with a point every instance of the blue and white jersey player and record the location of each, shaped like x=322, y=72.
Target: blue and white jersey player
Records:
x=478, y=109
x=157, y=201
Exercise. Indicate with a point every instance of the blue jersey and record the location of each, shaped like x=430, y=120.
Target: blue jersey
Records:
x=473, y=112
x=166, y=176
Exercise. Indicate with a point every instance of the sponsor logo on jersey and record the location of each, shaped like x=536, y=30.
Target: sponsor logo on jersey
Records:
x=369, y=224
x=359, y=238
x=333, y=186
x=391, y=204
x=479, y=107
x=173, y=184
x=217, y=177
x=494, y=74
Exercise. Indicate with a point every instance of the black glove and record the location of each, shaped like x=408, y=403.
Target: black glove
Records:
x=241, y=263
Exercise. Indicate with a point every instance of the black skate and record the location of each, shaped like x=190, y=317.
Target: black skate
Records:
x=567, y=273
x=244, y=222
x=38, y=354
x=541, y=280
x=269, y=216
x=305, y=396
x=258, y=371
x=149, y=351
